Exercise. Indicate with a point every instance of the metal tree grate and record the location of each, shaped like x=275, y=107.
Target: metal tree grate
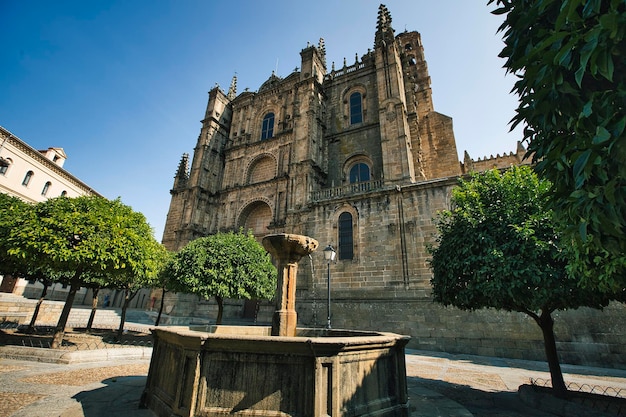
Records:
x=602, y=398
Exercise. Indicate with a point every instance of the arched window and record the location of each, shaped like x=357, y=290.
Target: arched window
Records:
x=5, y=163
x=27, y=178
x=356, y=108
x=46, y=187
x=359, y=173
x=267, y=130
x=346, y=240
x=63, y=193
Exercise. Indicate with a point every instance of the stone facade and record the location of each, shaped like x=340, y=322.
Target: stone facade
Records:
x=358, y=158
x=35, y=175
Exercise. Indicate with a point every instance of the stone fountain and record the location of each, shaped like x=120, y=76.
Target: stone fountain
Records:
x=280, y=370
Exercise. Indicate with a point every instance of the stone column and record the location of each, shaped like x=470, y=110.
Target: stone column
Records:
x=287, y=250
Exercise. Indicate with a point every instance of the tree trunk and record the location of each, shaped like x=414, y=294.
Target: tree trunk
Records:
x=59, y=330
x=128, y=296
x=31, y=326
x=94, y=307
x=220, y=309
x=158, y=320
x=547, y=327
x=120, y=329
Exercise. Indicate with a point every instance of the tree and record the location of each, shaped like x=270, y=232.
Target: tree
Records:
x=45, y=278
x=164, y=283
x=12, y=212
x=224, y=265
x=95, y=284
x=81, y=238
x=143, y=274
x=570, y=60
x=499, y=247
x=95, y=290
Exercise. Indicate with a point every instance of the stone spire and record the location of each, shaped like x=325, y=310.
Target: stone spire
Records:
x=182, y=173
x=322, y=48
x=232, y=90
x=384, y=31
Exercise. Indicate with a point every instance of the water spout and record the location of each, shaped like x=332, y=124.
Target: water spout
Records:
x=313, y=295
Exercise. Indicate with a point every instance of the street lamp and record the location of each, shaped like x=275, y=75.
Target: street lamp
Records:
x=329, y=255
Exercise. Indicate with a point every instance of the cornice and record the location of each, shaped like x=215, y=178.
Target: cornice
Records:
x=40, y=158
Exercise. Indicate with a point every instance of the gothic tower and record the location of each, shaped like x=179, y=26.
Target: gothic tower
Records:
x=194, y=205
x=432, y=136
x=395, y=136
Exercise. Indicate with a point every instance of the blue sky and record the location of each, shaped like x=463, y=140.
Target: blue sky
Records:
x=122, y=85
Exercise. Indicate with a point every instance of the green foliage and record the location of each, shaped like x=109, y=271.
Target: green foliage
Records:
x=86, y=241
x=163, y=278
x=499, y=247
x=570, y=57
x=12, y=212
x=102, y=239
x=225, y=265
x=143, y=271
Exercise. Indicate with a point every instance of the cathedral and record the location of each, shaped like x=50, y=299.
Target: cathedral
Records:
x=355, y=157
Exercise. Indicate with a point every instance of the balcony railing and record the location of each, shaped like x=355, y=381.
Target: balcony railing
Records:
x=347, y=190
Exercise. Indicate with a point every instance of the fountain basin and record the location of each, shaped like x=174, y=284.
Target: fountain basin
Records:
x=243, y=370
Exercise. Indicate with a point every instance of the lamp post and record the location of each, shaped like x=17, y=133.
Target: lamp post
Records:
x=329, y=255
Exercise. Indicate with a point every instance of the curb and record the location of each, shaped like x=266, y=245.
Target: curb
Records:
x=70, y=357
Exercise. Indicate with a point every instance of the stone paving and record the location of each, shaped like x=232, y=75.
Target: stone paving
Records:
x=38, y=389
x=37, y=382
x=488, y=387
x=439, y=385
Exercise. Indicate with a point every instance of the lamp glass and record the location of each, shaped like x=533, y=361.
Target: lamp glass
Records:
x=329, y=253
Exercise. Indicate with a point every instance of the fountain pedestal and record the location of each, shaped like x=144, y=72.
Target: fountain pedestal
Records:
x=287, y=251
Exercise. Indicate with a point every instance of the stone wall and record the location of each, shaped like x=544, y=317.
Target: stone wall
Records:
x=392, y=228
x=386, y=287
x=584, y=336
x=19, y=310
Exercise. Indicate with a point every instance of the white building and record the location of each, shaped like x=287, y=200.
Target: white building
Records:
x=35, y=176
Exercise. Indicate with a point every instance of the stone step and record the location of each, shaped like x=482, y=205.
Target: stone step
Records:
x=109, y=316
x=18, y=310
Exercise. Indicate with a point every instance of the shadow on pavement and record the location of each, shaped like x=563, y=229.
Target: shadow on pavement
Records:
x=119, y=397
x=481, y=403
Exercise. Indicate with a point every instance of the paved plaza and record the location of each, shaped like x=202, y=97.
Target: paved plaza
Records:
x=40, y=382
x=439, y=385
